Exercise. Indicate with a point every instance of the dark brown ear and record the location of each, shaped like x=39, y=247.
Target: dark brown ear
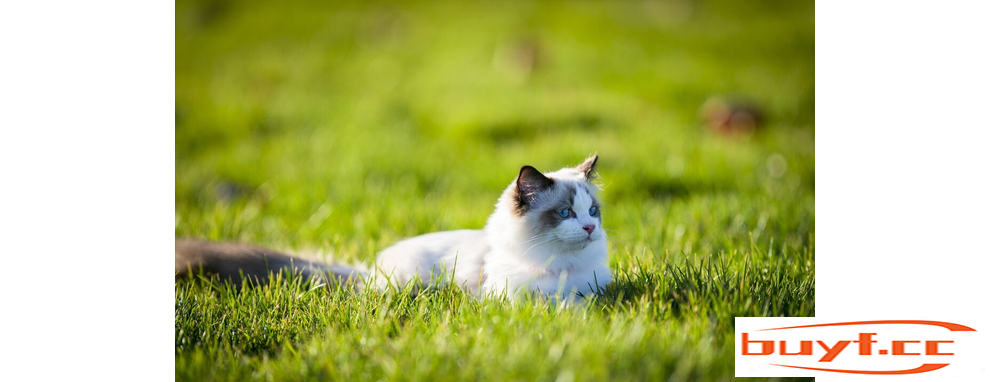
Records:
x=588, y=167
x=529, y=183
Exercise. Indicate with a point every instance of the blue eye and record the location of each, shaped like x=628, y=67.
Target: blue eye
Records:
x=593, y=210
x=564, y=213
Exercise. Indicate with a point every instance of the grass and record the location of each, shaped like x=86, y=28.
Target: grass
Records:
x=338, y=128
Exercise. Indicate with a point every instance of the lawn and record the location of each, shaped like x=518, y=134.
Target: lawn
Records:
x=338, y=128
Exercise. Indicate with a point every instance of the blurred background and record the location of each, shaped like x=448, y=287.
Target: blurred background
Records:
x=343, y=126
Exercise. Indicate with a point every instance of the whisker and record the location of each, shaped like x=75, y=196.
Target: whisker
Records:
x=537, y=237
x=537, y=244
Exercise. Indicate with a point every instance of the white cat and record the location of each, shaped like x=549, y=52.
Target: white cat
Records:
x=545, y=236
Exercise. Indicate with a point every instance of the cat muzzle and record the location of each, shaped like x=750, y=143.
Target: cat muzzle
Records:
x=589, y=229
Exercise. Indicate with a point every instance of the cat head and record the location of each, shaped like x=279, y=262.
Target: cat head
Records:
x=559, y=207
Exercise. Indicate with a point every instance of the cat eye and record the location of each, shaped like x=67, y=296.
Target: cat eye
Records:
x=593, y=210
x=564, y=213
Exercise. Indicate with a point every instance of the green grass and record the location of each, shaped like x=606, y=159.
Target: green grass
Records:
x=339, y=128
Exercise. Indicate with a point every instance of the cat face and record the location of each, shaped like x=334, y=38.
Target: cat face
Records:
x=560, y=208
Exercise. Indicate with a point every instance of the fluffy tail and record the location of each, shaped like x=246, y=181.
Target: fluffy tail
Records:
x=232, y=260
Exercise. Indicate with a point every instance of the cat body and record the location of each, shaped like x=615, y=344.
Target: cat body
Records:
x=545, y=236
x=457, y=256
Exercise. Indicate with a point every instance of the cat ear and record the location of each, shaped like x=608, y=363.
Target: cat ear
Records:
x=588, y=168
x=529, y=183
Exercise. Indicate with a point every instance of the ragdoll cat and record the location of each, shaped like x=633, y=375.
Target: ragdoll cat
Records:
x=544, y=236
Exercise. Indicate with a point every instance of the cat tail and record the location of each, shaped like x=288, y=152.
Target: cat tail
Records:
x=236, y=262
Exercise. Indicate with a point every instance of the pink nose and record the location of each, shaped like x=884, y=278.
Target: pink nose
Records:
x=589, y=229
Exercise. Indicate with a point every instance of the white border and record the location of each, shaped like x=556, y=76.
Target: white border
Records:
x=87, y=151
x=902, y=161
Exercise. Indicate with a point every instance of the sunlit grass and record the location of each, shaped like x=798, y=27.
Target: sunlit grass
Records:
x=338, y=128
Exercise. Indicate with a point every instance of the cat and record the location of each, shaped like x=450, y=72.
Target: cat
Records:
x=545, y=237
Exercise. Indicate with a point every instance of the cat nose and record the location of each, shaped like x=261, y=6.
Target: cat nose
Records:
x=589, y=229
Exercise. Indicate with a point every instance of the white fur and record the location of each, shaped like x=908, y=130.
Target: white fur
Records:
x=505, y=257
x=435, y=257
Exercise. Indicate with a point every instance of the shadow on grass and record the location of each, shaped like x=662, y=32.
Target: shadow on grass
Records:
x=666, y=188
x=528, y=129
x=711, y=287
